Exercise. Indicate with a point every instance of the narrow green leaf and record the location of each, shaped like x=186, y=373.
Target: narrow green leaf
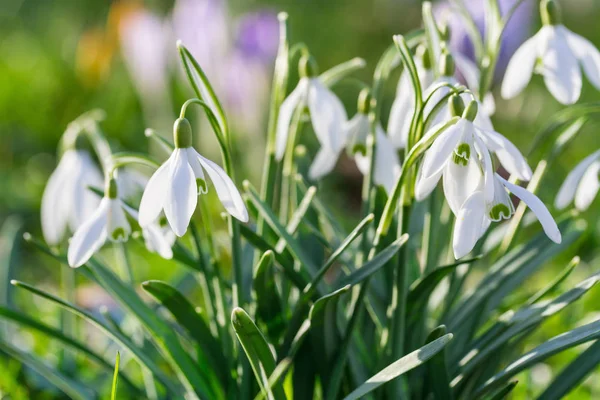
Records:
x=9, y=255
x=124, y=341
x=186, y=316
x=201, y=85
x=504, y=392
x=555, y=345
x=113, y=391
x=438, y=381
x=339, y=72
x=258, y=352
x=372, y=266
x=26, y=322
x=297, y=217
x=552, y=286
x=71, y=388
x=401, y=366
x=268, y=300
x=573, y=374
x=161, y=333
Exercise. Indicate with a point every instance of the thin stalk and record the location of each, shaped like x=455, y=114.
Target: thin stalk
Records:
x=287, y=179
x=68, y=320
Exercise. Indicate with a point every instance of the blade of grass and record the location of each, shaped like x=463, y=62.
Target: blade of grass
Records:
x=113, y=391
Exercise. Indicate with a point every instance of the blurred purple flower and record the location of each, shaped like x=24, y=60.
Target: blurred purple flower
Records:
x=515, y=33
x=258, y=35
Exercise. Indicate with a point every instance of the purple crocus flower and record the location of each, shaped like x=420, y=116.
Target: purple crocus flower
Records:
x=515, y=33
x=258, y=35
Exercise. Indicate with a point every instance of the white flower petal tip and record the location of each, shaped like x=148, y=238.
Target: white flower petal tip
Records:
x=286, y=111
x=67, y=202
x=574, y=182
x=90, y=236
x=468, y=227
x=159, y=240
x=323, y=164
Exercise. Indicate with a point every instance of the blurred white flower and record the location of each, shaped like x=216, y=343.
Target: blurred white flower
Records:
x=328, y=117
x=387, y=163
x=107, y=222
x=130, y=183
x=403, y=106
x=581, y=184
x=175, y=186
x=159, y=238
x=556, y=53
x=67, y=201
x=477, y=213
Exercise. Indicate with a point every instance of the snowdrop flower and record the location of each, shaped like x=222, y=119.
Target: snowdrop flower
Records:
x=327, y=114
x=66, y=201
x=175, y=186
x=582, y=184
x=107, y=222
x=159, y=238
x=477, y=213
x=387, y=163
x=403, y=107
x=130, y=183
x=461, y=153
x=556, y=53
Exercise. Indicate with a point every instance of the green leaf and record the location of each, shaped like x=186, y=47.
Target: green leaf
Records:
x=438, y=381
x=505, y=391
x=268, y=300
x=186, y=316
x=201, y=85
x=113, y=391
x=339, y=72
x=9, y=254
x=555, y=283
x=71, y=388
x=401, y=366
x=553, y=346
x=124, y=341
x=161, y=333
x=25, y=321
x=523, y=321
x=573, y=374
x=258, y=352
x=372, y=266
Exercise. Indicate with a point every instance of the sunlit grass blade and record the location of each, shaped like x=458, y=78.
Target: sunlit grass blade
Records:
x=339, y=72
x=555, y=283
x=113, y=391
x=401, y=366
x=27, y=322
x=71, y=388
x=9, y=257
x=573, y=374
x=258, y=352
x=504, y=392
x=161, y=333
x=553, y=346
x=187, y=317
x=372, y=266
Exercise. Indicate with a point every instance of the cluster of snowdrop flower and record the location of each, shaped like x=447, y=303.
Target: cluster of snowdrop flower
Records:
x=464, y=150
x=169, y=199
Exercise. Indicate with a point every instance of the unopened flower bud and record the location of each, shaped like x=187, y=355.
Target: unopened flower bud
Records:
x=447, y=67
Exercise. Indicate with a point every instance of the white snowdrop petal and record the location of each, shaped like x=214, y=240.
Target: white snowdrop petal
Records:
x=117, y=226
x=426, y=184
x=90, y=236
x=441, y=149
x=401, y=112
x=84, y=202
x=194, y=161
x=468, y=226
x=157, y=241
x=323, y=163
x=387, y=163
x=488, y=169
x=327, y=114
x=509, y=155
x=588, y=55
x=182, y=193
x=226, y=190
x=561, y=71
x=588, y=187
x=538, y=208
x=55, y=205
x=460, y=182
x=566, y=193
x=153, y=199
x=520, y=67
x=286, y=111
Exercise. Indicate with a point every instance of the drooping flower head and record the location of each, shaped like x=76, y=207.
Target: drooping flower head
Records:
x=327, y=115
x=581, y=184
x=175, y=186
x=558, y=55
x=67, y=202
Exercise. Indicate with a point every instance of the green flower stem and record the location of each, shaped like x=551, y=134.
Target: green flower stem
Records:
x=68, y=320
x=286, y=207
x=138, y=335
x=119, y=160
x=164, y=143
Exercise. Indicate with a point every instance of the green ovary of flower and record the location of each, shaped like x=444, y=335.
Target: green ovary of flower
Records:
x=462, y=154
x=118, y=234
x=499, y=212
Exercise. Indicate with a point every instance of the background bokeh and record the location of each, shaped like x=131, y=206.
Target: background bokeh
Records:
x=61, y=58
